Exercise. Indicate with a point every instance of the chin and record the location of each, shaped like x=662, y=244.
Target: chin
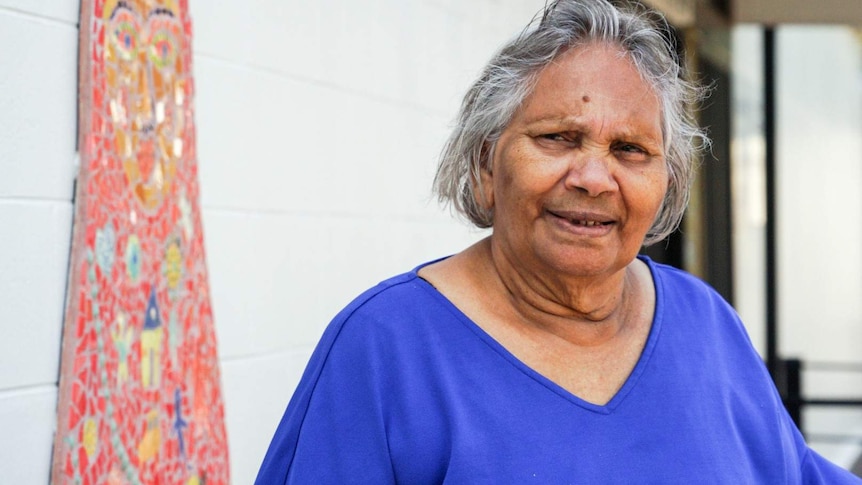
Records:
x=584, y=262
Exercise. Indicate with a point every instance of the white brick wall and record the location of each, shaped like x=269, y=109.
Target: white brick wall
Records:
x=318, y=126
x=38, y=70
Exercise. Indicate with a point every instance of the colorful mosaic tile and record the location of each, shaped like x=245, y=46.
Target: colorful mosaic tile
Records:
x=140, y=395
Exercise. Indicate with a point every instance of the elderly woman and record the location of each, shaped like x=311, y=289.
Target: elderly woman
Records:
x=550, y=352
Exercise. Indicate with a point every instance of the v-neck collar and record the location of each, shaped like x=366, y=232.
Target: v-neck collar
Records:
x=630, y=382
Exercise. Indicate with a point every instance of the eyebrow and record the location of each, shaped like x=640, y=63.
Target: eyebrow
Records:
x=573, y=124
x=121, y=5
x=161, y=11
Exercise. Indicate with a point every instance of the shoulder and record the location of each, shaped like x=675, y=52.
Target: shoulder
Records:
x=695, y=314
x=395, y=297
x=681, y=291
x=396, y=313
x=675, y=280
x=380, y=297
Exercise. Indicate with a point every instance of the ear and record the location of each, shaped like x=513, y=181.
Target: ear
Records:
x=483, y=186
x=483, y=189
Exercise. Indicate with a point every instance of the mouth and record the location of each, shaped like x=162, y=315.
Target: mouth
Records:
x=589, y=223
x=584, y=220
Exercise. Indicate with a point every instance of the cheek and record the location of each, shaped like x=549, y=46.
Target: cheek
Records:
x=658, y=193
x=647, y=192
x=504, y=182
x=663, y=182
x=523, y=177
x=513, y=189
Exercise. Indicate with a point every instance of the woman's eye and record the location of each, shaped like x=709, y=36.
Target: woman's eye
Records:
x=631, y=148
x=631, y=152
x=559, y=137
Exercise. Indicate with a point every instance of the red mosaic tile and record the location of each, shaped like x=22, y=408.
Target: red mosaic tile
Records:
x=140, y=394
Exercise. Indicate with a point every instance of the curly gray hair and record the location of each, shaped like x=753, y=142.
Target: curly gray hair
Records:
x=510, y=76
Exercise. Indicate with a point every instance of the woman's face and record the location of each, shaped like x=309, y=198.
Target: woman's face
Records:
x=579, y=174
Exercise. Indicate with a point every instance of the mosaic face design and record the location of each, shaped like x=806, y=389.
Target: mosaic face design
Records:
x=140, y=399
x=145, y=85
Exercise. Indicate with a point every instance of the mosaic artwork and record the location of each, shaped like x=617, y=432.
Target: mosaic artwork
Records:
x=140, y=395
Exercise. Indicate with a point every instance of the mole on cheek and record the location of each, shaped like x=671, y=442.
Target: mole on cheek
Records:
x=585, y=99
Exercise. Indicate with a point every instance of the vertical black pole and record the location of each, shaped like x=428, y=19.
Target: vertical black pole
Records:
x=772, y=360
x=793, y=401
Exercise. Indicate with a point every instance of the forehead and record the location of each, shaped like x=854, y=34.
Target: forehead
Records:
x=595, y=78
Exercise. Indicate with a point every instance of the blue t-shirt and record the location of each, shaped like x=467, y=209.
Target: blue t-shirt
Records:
x=404, y=388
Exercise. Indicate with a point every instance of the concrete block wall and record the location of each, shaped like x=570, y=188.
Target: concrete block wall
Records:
x=318, y=125
x=38, y=72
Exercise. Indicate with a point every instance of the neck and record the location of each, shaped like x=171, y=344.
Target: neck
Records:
x=585, y=310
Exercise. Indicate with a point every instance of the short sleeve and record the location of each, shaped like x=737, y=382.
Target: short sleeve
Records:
x=333, y=430
x=817, y=470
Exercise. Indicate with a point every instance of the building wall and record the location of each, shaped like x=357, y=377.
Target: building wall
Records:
x=38, y=71
x=819, y=225
x=819, y=216
x=748, y=184
x=318, y=125
x=819, y=174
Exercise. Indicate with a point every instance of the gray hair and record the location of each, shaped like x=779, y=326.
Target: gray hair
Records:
x=510, y=77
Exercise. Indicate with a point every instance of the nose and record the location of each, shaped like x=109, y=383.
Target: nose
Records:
x=145, y=106
x=590, y=174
